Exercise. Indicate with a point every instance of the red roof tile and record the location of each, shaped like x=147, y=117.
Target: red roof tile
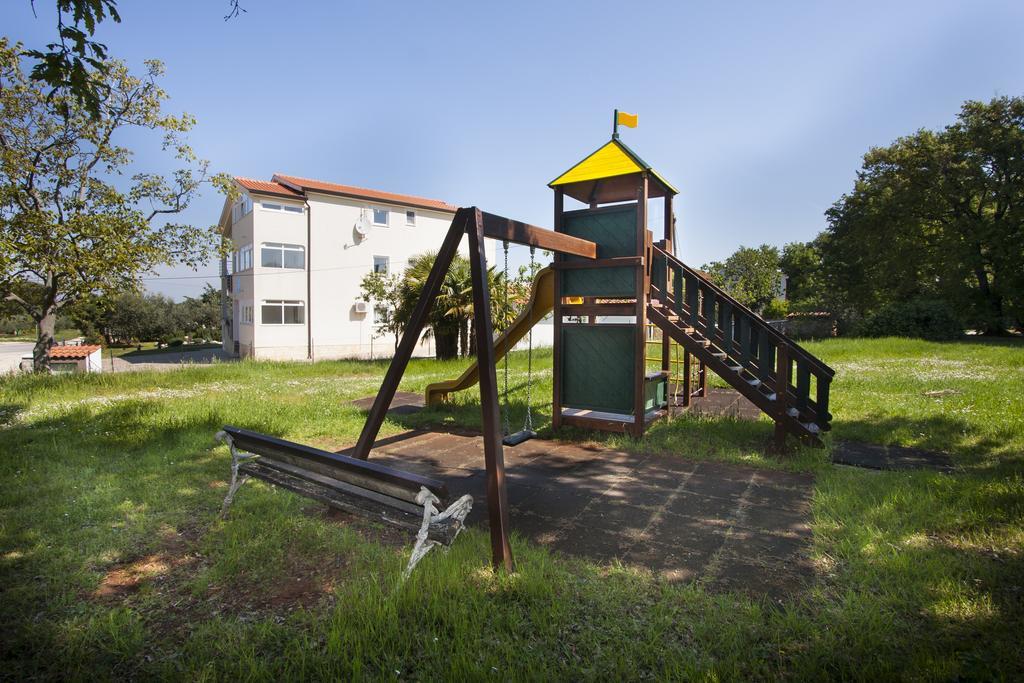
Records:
x=267, y=188
x=351, y=191
x=73, y=352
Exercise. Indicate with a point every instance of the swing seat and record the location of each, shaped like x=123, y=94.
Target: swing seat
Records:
x=519, y=437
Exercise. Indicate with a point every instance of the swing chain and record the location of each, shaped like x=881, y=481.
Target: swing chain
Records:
x=528, y=422
x=507, y=427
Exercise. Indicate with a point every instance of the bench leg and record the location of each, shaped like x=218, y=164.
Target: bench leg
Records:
x=456, y=512
x=236, y=481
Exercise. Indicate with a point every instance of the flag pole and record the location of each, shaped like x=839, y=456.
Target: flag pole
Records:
x=615, y=125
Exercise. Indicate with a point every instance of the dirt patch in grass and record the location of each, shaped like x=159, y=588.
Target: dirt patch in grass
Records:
x=169, y=576
x=174, y=558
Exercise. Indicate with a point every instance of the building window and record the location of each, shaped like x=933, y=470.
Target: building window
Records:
x=247, y=315
x=287, y=208
x=242, y=208
x=282, y=313
x=380, y=265
x=380, y=217
x=410, y=218
x=282, y=255
x=245, y=258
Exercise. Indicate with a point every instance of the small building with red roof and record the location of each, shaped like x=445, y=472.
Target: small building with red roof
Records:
x=300, y=249
x=76, y=358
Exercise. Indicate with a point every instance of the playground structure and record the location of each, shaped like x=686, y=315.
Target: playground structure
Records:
x=609, y=279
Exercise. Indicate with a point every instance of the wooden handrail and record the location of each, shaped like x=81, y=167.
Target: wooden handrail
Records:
x=798, y=352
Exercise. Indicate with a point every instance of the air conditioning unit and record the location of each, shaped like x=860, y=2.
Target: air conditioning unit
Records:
x=360, y=307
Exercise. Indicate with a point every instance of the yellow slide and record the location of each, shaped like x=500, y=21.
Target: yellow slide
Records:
x=542, y=300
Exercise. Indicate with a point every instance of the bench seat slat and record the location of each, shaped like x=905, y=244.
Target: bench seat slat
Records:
x=349, y=498
x=368, y=475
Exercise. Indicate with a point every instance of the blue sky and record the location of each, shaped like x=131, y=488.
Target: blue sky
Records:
x=758, y=112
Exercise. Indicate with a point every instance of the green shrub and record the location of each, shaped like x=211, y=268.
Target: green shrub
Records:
x=176, y=341
x=925, y=319
x=776, y=309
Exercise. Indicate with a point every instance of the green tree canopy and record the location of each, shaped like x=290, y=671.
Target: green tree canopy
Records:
x=750, y=275
x=938, y=215
x=75, y=64
x=75, y=215
x=801, y=263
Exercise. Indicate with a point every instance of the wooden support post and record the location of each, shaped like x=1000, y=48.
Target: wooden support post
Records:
x=687, y=380
x=411, y=336
x=556, y=342
x=497, y=497
x=781, y=396
x=669, y=246
x=642, y=290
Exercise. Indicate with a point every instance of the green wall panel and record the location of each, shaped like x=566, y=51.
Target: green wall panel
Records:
x=614, y=231
x=598, y=367
x=608, y=282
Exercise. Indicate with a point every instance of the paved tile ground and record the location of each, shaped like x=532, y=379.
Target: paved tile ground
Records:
x=726, y=526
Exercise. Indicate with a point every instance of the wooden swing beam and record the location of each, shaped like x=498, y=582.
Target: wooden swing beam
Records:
x=478, y=225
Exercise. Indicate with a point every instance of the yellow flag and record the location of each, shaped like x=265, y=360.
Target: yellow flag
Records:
x=628, y=120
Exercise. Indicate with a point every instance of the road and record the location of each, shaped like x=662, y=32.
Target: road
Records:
x=11, y=353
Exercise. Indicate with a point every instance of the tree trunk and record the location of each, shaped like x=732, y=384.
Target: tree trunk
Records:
x=994, y=323
x=464, y=337
x=45, y=327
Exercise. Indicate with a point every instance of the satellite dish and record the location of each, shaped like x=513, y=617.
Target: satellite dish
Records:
x=362, y=226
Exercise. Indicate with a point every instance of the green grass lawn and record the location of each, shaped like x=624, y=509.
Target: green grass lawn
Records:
x=113, y=563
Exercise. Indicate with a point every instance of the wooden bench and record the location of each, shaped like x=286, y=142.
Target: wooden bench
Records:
x=356, y=486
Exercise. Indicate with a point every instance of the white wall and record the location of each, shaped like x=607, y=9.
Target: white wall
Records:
x=94, y=361
x=338, y=260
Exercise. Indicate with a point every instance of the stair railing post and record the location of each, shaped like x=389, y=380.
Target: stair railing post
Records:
x=781, y=396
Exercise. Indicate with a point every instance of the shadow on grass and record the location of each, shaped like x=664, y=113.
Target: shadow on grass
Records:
x=944, y=433
x=935, y=552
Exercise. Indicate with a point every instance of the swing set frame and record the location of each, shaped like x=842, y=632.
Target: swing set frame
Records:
x=477, y=225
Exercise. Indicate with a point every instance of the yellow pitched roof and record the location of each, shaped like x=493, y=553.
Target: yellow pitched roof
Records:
x=610, y=160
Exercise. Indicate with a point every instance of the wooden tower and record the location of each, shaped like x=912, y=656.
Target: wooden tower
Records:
x=601, y=379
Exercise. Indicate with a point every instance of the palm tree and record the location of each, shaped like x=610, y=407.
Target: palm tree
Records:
x=451, y=319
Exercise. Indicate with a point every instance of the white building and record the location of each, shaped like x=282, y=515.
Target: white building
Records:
x=300, y=249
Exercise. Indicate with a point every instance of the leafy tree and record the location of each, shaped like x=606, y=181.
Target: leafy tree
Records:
x=200, y=315
x=751, y=276
x=451, y=319
x=69, y=222
x=447, y=318
x=801, y=263
x=938, y=216
x=76, y=65
x=381, y=290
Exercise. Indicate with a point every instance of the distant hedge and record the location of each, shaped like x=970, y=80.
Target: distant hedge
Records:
x=925, y=319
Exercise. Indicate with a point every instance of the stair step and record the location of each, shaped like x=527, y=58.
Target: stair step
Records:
x=754, y=382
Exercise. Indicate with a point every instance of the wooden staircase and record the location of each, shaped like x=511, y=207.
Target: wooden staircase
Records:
x=775, y=373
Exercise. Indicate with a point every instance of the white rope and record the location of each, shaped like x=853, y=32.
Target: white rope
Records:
x=457, y=511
